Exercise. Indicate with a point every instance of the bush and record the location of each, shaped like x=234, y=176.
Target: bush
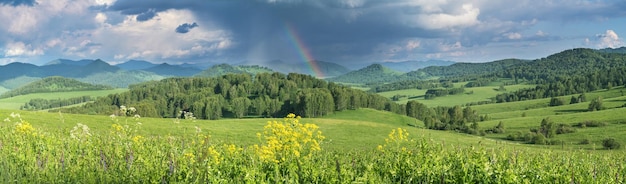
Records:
x=591, y=123
x=564, y=129
x=585, y=141
x=611, y=143
x=539, y=139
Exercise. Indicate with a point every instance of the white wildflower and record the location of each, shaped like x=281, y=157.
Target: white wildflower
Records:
x=15, y=115
x=80, y=132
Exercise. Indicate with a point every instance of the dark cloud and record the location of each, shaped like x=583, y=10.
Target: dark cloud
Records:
x=18, y=2
x=184, y=28
x=351, y=30
x=144, y=16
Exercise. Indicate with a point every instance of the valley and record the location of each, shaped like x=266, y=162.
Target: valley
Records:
x=490, y=110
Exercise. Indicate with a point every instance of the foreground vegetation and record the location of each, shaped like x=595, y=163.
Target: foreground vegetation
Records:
x=286, y=151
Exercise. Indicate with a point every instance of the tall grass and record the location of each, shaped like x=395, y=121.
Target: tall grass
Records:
x=286, y=152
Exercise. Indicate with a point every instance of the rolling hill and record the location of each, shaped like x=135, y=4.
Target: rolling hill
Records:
x=407, y=66
x=326, y=69
x=18, y=82
x=121, y=78
x=375, y=73
x=464, y=69
x=172, y=70
x=53, y=84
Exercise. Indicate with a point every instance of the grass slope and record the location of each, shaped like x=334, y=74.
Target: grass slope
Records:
x=53, y=84
x=361, y=129
x=475, y=94
x=3, y=89
x=17, y=101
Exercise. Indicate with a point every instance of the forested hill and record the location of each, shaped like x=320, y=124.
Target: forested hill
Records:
x=239, y=95
x=374, y=73
x=53, y=84
x=565, y=64
x=223, y=69
x=621, y=50
x=464, y=69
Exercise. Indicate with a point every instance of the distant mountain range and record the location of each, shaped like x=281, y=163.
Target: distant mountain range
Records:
x=407, y=66
x=96, y=71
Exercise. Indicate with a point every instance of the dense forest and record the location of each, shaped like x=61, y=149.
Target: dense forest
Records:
x=239, y=95
x=53, y=84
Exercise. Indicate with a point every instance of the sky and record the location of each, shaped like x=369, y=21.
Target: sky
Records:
x=348, y=32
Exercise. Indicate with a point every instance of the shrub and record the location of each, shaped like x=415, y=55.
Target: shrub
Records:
x=591, y=123
x=611, y=143
x=585, y=141
x=539, y=139
x=564, y=129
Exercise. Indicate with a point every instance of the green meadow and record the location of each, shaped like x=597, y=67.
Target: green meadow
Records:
x=17, y=101
x=475, y=94
x=359, y=146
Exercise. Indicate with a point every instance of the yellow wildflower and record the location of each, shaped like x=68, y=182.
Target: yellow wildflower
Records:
x=190, y=157
x=24, y=128
x=117, y=127
x=138, y=139
x=215, y=156
x=287, y=139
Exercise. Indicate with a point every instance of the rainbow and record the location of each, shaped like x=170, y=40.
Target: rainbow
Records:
x=303, y=51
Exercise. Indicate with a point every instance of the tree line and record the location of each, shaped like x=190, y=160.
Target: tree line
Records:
x=41, y=104
x=239, y=95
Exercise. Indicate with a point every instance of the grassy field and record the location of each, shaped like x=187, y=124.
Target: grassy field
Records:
x=353, y=151
x=358, y=148
x=475, y=94
x=17, y=101
x=347, y=130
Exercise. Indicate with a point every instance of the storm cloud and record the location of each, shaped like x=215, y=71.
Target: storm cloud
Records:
x=184, y=28
x=342, y=31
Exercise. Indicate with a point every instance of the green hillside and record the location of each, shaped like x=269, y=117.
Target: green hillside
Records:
x=223, y=69
x=18, y=81
x=121, y=79
x=375, y=73
x=3, y=90
x=53, y=84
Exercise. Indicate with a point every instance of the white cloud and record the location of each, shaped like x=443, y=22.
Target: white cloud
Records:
x=513, y=36
x=412, y=44
x=156, y=38
x=101, y=18
x=16, y=49
x=541, y=33
x=609, y=39
x=439, y=19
